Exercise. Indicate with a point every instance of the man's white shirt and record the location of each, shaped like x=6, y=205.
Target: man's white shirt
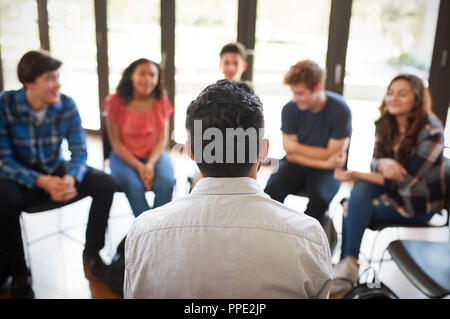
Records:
x=227, y=239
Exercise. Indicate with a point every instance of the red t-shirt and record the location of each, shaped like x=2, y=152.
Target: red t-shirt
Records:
x=138, y=131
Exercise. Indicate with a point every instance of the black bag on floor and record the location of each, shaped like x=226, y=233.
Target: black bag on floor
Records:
x=115, y=272
x=371, y=289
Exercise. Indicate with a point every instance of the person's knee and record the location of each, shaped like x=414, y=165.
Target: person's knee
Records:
x=164, y=185
x=362, y=189
x=11, y=199
x=274, y=187
x=99, y=182
x=107, y=183
x=133, y=185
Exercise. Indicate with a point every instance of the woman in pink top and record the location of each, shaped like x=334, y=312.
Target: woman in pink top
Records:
x=137, y=125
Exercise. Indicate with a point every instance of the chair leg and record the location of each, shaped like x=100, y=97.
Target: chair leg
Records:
x=26, y=243
x=109, y=243
x=373, y=247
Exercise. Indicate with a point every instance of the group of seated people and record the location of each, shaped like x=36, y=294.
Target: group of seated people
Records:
x=228, y=238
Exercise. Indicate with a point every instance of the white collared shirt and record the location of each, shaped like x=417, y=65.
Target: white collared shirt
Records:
x=227, y=239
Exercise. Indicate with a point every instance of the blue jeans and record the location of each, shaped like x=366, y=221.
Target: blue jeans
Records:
x=127, y=178
x=291, y=178
x=361, y=212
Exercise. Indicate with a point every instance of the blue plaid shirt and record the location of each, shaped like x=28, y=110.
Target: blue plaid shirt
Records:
x=29, y=148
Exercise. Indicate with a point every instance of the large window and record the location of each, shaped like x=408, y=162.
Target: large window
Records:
x=18, y=34
x=134, y=32
x=386, y=38
x=285, y=35
x=72, y=40
x=202, y=28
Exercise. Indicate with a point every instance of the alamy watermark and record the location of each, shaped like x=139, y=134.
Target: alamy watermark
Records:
x=240, y=146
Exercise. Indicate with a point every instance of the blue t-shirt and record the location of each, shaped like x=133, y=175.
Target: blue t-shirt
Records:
x=315, y=129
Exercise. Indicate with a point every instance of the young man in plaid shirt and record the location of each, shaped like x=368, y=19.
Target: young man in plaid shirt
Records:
x=34, y=121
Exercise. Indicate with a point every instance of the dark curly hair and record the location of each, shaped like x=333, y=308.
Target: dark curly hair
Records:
x=226, y=104
x=386, y=127
x=125, y=86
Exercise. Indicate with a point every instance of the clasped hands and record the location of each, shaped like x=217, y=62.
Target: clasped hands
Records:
x=146, y=173
x=60, y=189
x=387, y=167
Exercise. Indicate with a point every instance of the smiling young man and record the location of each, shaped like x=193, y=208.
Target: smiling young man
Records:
x=233, y=61
x=316, y=127
x=34, y=121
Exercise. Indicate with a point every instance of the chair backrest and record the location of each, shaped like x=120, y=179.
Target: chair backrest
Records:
x=447, y=192
x=105, y=139
x=421, y=262
x=447, y=183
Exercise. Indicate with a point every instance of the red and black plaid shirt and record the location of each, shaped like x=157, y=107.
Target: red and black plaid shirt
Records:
x=422, y=190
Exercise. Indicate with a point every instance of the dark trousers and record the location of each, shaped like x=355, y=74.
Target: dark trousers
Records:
x=15, y=198
x=319, y=185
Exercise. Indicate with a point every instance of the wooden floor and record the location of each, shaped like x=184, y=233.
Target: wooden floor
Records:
x=56, y=261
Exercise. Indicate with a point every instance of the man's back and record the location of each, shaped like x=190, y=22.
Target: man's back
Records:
x=226, y=240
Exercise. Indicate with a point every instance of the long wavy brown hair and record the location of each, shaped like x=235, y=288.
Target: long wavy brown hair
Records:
x=386, y=128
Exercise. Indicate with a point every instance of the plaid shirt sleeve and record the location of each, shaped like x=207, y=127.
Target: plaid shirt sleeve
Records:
x=76, y=139
x=9, y=167
x=427, y=152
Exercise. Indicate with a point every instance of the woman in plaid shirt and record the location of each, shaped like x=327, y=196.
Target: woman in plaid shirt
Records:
x=406, y=185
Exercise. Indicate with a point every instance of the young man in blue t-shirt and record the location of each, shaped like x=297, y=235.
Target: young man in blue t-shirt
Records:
x=316, y=127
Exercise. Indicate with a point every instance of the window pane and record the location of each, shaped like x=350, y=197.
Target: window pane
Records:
x=202, y=28
x=134, y=32
x=18, y=34
x=386, y=38
x=72, y=40
x=285, y=35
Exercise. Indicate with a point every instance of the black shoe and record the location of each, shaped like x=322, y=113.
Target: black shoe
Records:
x=94, y=264
x=21, y=287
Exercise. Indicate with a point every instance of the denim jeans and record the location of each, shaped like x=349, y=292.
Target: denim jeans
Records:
x=291, y=178
x=127, y=178
x=361, y=212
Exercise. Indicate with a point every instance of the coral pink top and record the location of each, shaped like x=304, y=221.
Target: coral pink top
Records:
x=138, y=131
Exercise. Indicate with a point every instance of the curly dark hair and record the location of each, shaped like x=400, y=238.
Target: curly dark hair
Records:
x=226, y=105
x=386, y=127
x=125, y=86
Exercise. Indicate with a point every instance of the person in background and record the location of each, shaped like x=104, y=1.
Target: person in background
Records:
x=233, y=63
x=34, y=121
x=406, y=185
x=227, y=239
x=316, y=128
x=137, y=126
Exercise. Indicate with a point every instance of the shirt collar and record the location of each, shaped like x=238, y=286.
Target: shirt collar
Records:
x=226, y=186
x=24, y=108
